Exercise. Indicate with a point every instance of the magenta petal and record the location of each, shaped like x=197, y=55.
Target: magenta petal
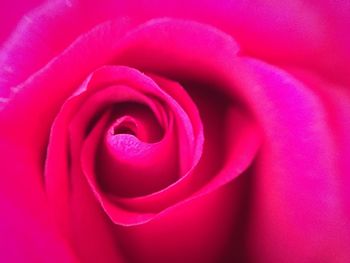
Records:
x=114, y=211
x=295, y=32
x=129, y=166
x=122, y=93
x=104, y=97
x=27, y=234
x=115, y=172
x=215, y=208
x=11, y=12
x=336, y=100
x=297, y=176
x=145, y=48
x=195, y=231
x=188, y=122
x=26, y=238
x=300, y=209
x=33, y=45
x=33, y=96
x=212, y=209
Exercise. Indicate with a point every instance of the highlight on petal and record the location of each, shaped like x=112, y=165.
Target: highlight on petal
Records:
x=297, y=196
x=305, y=34
x=10, y=13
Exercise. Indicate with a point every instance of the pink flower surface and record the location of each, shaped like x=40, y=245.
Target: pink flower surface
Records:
x=175, y=131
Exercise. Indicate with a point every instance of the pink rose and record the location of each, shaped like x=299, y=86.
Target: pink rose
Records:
x=175, y=131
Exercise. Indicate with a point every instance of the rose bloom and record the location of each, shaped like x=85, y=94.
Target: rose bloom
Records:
x=175, y=131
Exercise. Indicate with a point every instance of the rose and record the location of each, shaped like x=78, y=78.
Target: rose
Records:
x=289, y=203
x=285, y=203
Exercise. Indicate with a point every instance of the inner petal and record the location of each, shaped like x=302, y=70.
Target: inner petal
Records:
x=118, y=159
x=139, y=120
x=125, y=125
x=134, y=158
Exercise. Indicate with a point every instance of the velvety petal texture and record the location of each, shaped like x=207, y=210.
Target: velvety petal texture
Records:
x=177, y=131
x=310, y=34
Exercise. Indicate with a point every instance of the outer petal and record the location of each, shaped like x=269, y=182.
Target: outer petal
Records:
x=299, y=208
x=303, y=33
x=11, y=12
x=26, y=238
x=27, y=234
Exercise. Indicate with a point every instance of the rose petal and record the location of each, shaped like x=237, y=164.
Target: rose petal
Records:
x=87, y=53
x=309, y=34
x=212, y=209
x=11, y=12
x=27, y=234
x=177, y=235
x=297, y=191
x=112, y=169
x=27, y=238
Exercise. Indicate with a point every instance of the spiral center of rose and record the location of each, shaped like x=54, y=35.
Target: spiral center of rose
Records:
x=136, y=134
x=125, y=126
x=132, y=134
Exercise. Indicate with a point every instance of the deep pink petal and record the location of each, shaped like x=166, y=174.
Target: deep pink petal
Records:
x=195, y=231
x=35, y=97
x=27, y=234
x=298, y=196
x=117, y=175
x=27, y=238
x=11, y=12
x=304, y=33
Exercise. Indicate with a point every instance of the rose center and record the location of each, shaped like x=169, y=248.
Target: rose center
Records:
x=125, y=125
x=136, y=143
